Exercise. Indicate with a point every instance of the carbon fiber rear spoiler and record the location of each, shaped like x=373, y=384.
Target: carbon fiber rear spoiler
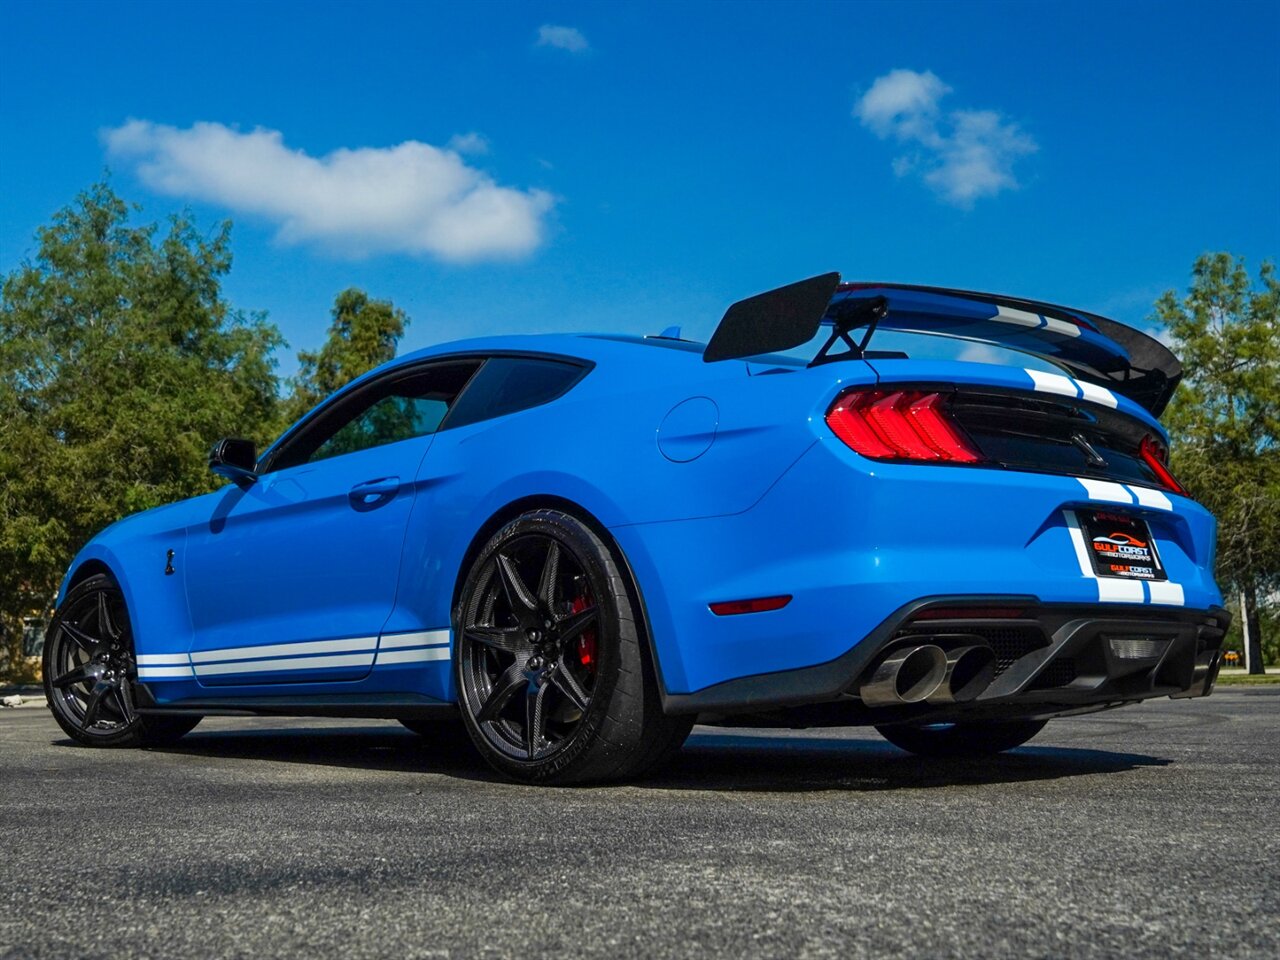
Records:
x=1091, y=347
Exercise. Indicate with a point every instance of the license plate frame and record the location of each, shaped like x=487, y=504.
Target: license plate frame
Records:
x=1120, y=545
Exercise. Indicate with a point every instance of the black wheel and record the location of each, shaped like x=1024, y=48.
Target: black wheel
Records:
x=551, y=673
x=974, y=738
x=89, y=672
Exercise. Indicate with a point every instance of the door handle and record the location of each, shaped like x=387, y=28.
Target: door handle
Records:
x=374, y=493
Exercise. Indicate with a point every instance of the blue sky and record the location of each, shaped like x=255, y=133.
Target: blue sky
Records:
x=525, y=167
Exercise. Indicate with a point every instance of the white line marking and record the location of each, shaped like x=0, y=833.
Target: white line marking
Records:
x=1053, y=383
x=1100, y=395
x=1021, y=317
x=1163, y=591
x=1105, y=490
x=284, y=649
x=157, y=659
x=1062, y=327
x=420, y=655
x=160, y=673
x=295, y=663
x=1112, y=590
x=425, y=637
x=1150, y=498
x=1077, y=540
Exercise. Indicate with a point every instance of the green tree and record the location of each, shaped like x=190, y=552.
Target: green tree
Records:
x=363, y=334
x=1225, y=418
x=120, y=364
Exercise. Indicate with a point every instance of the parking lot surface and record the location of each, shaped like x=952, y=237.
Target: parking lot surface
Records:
x=1149, y=831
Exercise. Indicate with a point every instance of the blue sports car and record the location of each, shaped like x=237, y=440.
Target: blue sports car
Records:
x=581, y=544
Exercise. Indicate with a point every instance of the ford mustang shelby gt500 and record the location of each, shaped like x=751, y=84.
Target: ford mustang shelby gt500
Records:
x=582, y=544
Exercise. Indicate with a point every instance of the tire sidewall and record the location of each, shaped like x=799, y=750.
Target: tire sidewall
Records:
x=128, y=735
x=591, y=554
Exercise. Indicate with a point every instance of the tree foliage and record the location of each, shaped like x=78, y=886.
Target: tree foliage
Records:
x=120, y=364
x=363, y=334
x=1225, y=417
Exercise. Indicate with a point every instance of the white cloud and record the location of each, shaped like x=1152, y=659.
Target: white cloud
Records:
x=411, y=198
x=472, y=142
x=562, y=38
x=962, y=155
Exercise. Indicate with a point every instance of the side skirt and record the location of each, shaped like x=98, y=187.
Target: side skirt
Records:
x=388, y=706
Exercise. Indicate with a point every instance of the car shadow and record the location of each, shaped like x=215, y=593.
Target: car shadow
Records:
x=711, y=759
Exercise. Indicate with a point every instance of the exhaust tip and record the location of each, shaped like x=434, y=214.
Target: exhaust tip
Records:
x=909, y=675
x=970, y=670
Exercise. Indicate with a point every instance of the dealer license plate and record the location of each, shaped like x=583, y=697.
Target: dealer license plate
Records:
x=1120, y=546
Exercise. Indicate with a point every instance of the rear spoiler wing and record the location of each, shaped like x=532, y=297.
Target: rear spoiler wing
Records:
x=1091, y=347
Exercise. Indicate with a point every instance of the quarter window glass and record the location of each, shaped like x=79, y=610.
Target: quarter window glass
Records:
x=508, y=384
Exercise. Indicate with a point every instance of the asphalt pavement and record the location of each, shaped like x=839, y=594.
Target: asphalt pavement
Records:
x=1150, y=831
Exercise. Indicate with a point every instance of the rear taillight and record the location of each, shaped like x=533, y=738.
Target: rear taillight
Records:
x=900, y=425
x=1155, y=454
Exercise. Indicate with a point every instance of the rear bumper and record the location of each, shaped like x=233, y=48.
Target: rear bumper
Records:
x=1052, y=659
x=855, y=542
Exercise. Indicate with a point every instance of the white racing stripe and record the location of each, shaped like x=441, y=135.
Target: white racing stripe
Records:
x=1021, y=317
x=1097, y=394
x=1114, y=590
x=1163, y=591
x=1062, y=327
x=1150, y=498
x=423, y=638
x=1105, y=490
x=164, y=673
x=1052, y=383
x=420, y=646
x=1077, y=541
x=290, y=663
x=284, y=649
x=416, y=655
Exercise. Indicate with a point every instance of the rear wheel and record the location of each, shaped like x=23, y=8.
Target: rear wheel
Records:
x=90, y=672
x=974, y=738
x=550, y=669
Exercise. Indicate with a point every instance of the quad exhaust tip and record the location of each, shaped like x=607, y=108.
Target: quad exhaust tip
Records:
x=907, y=675
x=970, y=670
x=929, y=673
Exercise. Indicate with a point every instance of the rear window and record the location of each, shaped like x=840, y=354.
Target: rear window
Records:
x=509, y=384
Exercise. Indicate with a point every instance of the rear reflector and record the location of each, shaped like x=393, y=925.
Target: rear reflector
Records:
x=1154, y=454
x=900, y=425
x=728, y=608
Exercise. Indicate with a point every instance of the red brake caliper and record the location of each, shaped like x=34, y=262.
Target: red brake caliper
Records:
x=587, y=639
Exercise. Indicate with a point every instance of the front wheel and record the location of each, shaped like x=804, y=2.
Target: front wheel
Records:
x=974, y=738
x=550, y=669
x=90, y=672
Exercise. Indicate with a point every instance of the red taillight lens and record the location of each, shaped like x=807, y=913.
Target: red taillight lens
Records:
x=901, y=425
x=1154, y=454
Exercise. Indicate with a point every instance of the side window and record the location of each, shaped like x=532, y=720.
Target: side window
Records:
x=388, y=420
x=398, y=406
x=508, y=384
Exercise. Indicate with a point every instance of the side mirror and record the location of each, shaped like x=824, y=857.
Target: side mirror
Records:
x=234, y=459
